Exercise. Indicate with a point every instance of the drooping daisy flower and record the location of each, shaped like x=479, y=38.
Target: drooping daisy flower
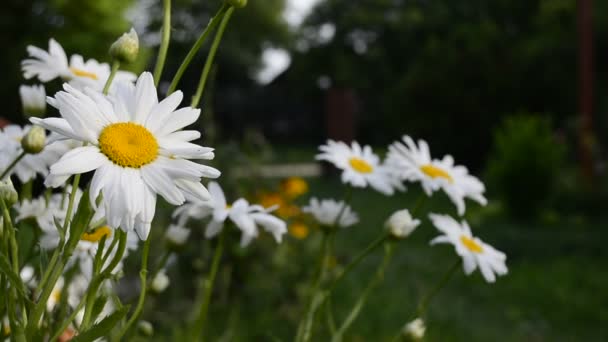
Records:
x=413, y=163
x=326, y=212
x=31, y=164
x=54, y=63
x=474, y=252
x=136, y=147
x=33, y=99
x=245, y=217
x=361, y=167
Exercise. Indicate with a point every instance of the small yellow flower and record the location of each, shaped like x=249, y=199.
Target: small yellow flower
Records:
x=299, y=230
x=293, y=187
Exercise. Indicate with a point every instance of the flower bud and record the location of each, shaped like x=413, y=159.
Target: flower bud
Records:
x=126, y=48
x=176, y=235
x=33, y=142
x=33, y=100
x=236, y=3
x=414, y=330
x=8, y=192
x=145, y=328
x=401, y=224
x=160, y=282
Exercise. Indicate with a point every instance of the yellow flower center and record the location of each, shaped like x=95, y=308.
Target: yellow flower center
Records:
x=471, y=245
x=294, y=187
x=56, y=295
x=128, y=144
x=435, y=172
x=360, y=165
x=298, y=230
x=83, y=73
x=97, y=234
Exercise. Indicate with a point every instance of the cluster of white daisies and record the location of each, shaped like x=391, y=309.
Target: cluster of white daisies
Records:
x=407, y=161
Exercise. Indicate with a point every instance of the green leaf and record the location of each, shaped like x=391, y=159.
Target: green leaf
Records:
x=13, y=277
x=81, y=219
x=102, y=328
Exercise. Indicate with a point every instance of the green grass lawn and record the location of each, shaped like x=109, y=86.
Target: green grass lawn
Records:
x=555, y=289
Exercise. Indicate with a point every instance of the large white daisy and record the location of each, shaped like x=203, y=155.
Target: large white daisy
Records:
x=413, y=163
x=326, y=212
x=245, y=217
x=361, y=167
x=48, y=65
x=474, y=252
x=136, y=147
x=31, y=164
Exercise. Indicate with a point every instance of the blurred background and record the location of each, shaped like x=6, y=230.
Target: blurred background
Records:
x=515, y=90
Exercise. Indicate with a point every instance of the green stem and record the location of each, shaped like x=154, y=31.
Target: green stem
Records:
x=93, y=287
x=115, y=66
x=197, y=45
x=216, y=42
x=164, y=44
x=305, y=327
x=69, y=320
x=143, y=277
x=378, y=277
x=12, y=165
x=199, y=323
x=424, y=302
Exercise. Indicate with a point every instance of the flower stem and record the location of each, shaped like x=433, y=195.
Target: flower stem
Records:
x=216, y=42
x=305, y=327
x=143, y=277
x=115, y=66
x=424, y=302
x=164, y=44
x=378, y=277
x=199, y=323
x=11, y=165
x=197, y=45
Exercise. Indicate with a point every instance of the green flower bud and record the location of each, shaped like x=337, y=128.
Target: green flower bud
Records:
x=236, y=3
x=33, y=142
x=145, y=328
x=126, y=48
x=8, y=192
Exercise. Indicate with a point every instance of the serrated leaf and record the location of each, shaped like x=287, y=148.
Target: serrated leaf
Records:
x=102, y=328
x=13, y=278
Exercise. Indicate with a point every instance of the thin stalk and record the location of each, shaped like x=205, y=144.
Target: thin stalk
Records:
x=69, y=320
x=424, y=302
x=115, y=66
x=93, y=286
x=164, y=44
x=12, y=165
x=199, y=323
x=197, y=45
x=216, y=42
x=143, y=277
x=354, y=312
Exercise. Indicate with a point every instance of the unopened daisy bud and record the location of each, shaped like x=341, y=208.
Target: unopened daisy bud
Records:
x=160, y=282
x=145, y=328
x=33, y=142
x=33, y=100
x=126, y=48
x=8, y=192
x=176, y=235
x=414, y=330
x=236, y=3
x=401, y=224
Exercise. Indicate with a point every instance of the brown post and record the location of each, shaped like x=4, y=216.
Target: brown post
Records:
x=340, y=116
x=585, y=33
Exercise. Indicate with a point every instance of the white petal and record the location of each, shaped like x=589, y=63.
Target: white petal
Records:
x=79, y=160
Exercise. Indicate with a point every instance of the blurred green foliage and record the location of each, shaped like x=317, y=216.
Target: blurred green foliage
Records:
x=525, y=164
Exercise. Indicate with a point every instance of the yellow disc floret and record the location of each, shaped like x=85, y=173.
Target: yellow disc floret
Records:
x=128, y=144
x=83, y=73
x=360, y=165
x=471, y=245
x=435, y=172
x=97, y=234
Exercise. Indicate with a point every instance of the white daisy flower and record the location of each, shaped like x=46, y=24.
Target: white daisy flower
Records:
x=474, y=252
x=54, y=63
x=136, y=147
x=413, y=163
x=31, y=164
x=361, y=167
x=245, y=217
x=33, y=99
x=177, y=235
x=401, y=224
x=326, y=212
x=414, y=330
